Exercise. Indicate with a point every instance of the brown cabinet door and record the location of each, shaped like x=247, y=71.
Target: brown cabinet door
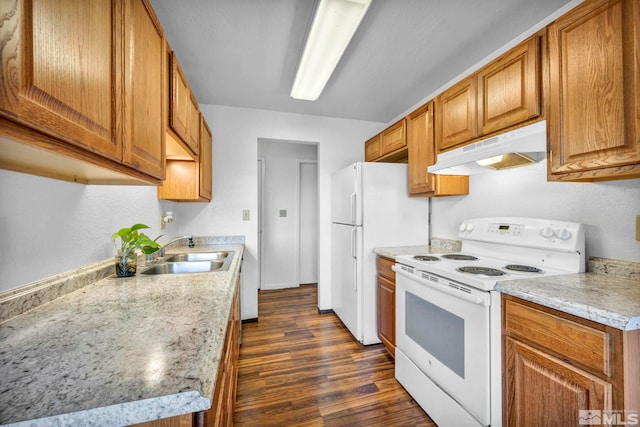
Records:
x=144, y=41
x=543, y=390
x=182, y=106
x=421, y=154
x=393, y=138
x=421, y=148
x=594, y=77
x=59, y=70
x=456, y=115
x=194, y=122
x=205, y=159
x=387, y=313
x=509, y=88
x=372, y=149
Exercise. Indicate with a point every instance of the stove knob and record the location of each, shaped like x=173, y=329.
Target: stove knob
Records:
x=470, y=227
x=546, y=232
x=563, y=234
x=462, y=227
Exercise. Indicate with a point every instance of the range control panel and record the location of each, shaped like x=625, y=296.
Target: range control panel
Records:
x=528, y=232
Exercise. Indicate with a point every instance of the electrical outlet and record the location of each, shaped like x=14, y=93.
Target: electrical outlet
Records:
x=245, y=214
x=638, y=228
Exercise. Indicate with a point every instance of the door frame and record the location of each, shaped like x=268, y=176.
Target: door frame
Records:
x=262, y=166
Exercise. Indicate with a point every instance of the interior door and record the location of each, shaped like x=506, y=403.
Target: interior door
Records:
x=308, y=230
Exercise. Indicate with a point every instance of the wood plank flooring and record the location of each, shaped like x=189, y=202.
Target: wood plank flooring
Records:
x=300, y=368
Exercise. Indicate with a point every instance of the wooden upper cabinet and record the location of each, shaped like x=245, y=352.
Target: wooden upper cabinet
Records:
x=61, y=82
x=421, y=152
x=73, y=104
x=390, y=145
x=205, y=163
x=456, y=115
x=183, y=108
x=144, y=121
x=372, y=149
x=190, y=180
x=509, y=88
x=594, y=77
x=393, y=138
x=505, y=93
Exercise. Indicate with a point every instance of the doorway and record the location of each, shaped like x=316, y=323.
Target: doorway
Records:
x=288, y=213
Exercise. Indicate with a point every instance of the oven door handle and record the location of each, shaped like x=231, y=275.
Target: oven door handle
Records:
x=479, y=299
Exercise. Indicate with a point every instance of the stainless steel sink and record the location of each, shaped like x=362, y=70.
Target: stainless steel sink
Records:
x=192, y=262
x=198, y=256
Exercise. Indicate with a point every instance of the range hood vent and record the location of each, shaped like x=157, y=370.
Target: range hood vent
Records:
x=519, y=147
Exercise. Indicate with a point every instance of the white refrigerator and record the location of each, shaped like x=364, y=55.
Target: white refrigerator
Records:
x=370, y=207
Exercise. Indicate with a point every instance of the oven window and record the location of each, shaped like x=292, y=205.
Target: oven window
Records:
x=437, y=331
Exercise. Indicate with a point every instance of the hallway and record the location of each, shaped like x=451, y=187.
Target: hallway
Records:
x=300, y=368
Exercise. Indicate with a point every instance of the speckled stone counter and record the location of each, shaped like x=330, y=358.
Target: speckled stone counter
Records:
x=438, y=246
x=605, y=299
x=118, y=351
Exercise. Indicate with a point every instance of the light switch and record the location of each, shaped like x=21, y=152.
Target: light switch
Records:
x=245, y=215
x=283, y=213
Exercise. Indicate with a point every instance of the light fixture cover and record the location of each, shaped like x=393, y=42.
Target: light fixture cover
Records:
x=334, y=24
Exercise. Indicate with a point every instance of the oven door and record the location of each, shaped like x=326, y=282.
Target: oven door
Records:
x=443, y=328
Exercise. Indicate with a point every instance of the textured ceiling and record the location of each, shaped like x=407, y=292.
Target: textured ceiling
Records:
x=243, y=53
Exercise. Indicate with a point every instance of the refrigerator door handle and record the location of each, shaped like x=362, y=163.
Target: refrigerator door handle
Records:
x=354, y=252
x=354, y=255
x=353, y=208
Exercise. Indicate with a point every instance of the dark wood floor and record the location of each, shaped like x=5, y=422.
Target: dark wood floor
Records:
x=301, y=368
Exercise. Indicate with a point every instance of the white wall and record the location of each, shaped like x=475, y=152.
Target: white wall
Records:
x=49, y=226
x=280, y=234
x=235, y=151
x=607, y=208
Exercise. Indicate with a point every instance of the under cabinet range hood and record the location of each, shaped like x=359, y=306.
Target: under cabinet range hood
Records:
x=519, y=147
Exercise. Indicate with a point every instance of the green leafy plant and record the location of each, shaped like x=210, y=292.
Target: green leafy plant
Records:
x=130, y=239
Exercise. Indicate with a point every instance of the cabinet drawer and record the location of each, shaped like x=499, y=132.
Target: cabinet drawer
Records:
x=384, y=268
x=574, y=341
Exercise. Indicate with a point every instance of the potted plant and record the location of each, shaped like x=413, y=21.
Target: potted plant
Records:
x=126, y=241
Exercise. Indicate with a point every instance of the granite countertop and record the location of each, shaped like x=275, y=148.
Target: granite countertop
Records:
x=438, y=246
x=118, y=351
x=610, y=300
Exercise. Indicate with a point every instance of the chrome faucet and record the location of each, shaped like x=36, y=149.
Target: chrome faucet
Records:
x=177, y=239
x=160, y=252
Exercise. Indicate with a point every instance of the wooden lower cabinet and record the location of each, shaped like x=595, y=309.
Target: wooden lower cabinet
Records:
x=224, y=397
x=557, y=366
x=387, y=304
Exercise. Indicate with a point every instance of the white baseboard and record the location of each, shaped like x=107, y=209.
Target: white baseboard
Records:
x=272, y=286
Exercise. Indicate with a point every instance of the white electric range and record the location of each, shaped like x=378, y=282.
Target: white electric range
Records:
x=448, y=315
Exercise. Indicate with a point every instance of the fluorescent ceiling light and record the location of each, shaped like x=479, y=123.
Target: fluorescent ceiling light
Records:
x=334, y=24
